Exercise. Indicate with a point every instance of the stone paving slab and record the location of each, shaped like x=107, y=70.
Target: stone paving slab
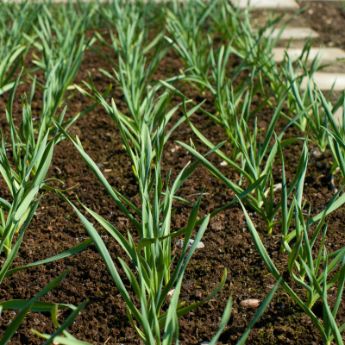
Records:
x=339, y=1
x=57, y=2
x=82, y=1
x=293, y=33
x=325, y=55
x=326, y=81
x=334, y=67
x=260, y=18
x=266, y=4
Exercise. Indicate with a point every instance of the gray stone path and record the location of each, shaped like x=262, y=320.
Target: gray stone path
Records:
x=331, y=78
x=327, y=81
x=301, y=34
x=266, y=4
x=293, y=33
x=325, y=55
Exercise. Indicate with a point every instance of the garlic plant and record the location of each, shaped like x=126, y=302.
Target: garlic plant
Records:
x=16, y=25
x=316, y=271
x=154, y=274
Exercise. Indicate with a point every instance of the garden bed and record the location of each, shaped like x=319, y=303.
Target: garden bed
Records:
x=228, y=243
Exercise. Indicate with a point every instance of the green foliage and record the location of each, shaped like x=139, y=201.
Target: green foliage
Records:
x=16, y=25
x=230, y=64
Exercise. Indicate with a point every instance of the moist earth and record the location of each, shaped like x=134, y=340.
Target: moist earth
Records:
x=228, y=244
x=328, y=19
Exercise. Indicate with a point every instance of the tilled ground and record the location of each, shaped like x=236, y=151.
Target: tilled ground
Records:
x=328, y=19
x=228, y=243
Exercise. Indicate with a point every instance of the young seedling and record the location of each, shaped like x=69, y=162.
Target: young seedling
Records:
x=254, y=167
x=309, y=263
x=26, y=154
x=310, y=117
x=335, y=132
x=26, y=160
x=16, y=24
x=154, y=274
x=23, y=307
x=233, y=99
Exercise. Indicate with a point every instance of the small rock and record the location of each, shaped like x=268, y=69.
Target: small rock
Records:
x=175, y=148
x=198, y=294
x=316, y=153
x=223, y=164
x=170, y=294
x=180, y=244
x=250, y=303
x=277, y=187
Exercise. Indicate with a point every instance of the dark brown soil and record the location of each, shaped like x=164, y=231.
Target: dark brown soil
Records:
x=328, y=19
x=227, y=241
